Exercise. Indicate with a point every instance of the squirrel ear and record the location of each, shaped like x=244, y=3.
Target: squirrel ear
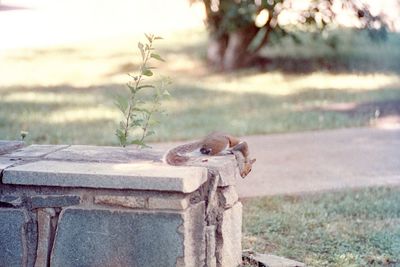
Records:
x=252, y=161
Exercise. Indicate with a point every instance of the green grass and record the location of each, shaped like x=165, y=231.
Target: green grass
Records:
x=57, y=103
x=88, y=116
x=350, y=228
x=337, y=50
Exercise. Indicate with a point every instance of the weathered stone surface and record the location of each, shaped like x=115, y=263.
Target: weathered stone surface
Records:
x=225, y=165
x=5, y=163
x=35, y=151
x=54, y=201
x=44, y=237
x=13, y=251
x=9, y=146
x=10, y=201
x=193, y=230
x=228, y=196
x=125, y=237
x=272, y=260
x=211, y=260
x=140, y=176
x=229, y=237
x=106, y=154
x=123, y=201
x=173, y=203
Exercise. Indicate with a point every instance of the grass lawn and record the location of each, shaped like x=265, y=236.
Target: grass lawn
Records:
x=350, y=228
x=66, y=94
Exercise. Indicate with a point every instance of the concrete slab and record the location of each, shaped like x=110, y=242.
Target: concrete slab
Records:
x=9, y=146
x=139, y=176
x=106, y=154
x=36, y=151
x=5, y=163
x=269, y=260
x=225, y=165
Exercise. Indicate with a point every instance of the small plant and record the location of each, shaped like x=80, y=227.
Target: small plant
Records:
x=138, y=110
x=23, y=134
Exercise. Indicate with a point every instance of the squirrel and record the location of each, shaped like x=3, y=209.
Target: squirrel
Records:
x=216, y=143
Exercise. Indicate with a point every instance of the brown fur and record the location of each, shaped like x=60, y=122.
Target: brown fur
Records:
x=213, y=144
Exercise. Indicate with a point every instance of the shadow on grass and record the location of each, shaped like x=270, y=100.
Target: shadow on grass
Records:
x=336, y=65
x=73, y=115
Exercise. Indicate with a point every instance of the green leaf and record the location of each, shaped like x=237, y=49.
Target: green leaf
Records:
x=122, y=104
x=149, y=37
x=142, y=110
x=157, y=56
x=147, y=72
x=141, y=48
x=150, y=132
x=145, y=86
x=136, y=123
x=121, y=137
x=139, y=143
x=132, y=88
x=166, y=93
x=153, y=122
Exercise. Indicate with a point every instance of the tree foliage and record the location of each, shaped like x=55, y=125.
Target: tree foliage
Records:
x=240, y=28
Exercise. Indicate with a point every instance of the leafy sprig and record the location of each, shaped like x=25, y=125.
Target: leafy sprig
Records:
x=138, y=113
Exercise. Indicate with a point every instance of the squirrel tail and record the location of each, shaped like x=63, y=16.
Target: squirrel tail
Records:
x=176, y=156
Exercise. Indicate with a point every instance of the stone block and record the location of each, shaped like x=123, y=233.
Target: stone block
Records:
x=225, y=165
x=210, y=246
x=125, y=237
x=272, y=260
x=173, y=203
x=5, y=163
x=106, y=154
x=9, y=146
x=228, y=196
x=54, y=201
x=139, y=176
x=36, y=151
x=229, y=237
x=122, y=201
x=193, y=230
x=10, y=201
x=45, y=232
x=13, y=250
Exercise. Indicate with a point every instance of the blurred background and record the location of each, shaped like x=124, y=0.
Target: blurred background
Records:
x=245, y=67
x=248, y=67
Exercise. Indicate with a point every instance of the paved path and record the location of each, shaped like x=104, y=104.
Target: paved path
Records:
x=324, y=160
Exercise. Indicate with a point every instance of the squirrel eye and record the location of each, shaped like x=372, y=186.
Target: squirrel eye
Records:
x=205, y=151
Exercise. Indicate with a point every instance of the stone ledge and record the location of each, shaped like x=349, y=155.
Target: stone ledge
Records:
x=35, y=151
x=5, y=163
x=9, y=146
x=105, y=154
x=138, y=176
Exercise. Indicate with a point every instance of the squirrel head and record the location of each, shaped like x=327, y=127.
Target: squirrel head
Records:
x=248, y=164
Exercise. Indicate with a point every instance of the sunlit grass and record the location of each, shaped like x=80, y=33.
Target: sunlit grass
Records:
x=350, y=228
x=277, y=83
x=66, y=94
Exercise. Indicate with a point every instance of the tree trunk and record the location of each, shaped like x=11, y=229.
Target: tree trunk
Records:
x=231, y=51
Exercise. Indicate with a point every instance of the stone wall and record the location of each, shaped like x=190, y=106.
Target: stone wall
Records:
x=109, y=206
